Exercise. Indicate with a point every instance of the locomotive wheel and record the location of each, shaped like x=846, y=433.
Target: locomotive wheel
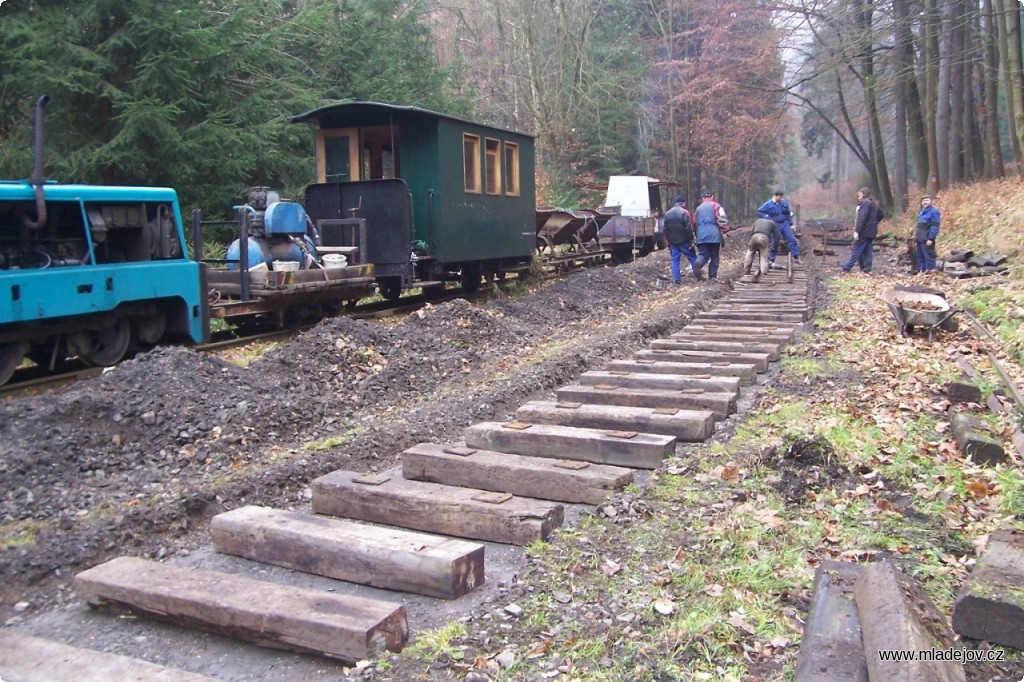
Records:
x=433, y=293
x=390, y=288
x=150, y=329
x=470, y=280
x=646, y=247
x=10, y=357
x=103, y=347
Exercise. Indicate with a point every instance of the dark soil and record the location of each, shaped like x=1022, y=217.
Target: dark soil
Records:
x=137, y=460
x=805, y=467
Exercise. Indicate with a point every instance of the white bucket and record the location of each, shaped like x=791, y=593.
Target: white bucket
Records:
x=285, y=265
x=335, y=260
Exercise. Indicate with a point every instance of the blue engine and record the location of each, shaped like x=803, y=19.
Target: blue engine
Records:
x=90, y=271
x=279, y=231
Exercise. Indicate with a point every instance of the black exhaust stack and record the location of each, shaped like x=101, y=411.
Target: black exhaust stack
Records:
x=38, y=179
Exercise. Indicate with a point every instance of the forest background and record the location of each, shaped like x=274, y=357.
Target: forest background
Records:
x=740, y=97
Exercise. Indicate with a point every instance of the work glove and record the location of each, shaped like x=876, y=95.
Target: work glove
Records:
x=855, y=236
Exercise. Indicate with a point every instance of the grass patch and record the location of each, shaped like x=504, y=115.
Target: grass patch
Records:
x=442, y=642
x=810, y=367
x=243, y=356
x=20, y=534
x=334, y=441
x=1002, y=310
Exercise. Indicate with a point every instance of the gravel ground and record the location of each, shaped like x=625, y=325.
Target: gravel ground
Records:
x=136, y=461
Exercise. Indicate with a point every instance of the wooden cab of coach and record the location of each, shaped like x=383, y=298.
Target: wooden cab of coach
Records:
x=444, y=198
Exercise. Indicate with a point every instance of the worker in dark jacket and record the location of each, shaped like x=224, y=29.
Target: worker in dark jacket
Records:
x=925, y=233
x=777, y=210
x=712, y=224
x=864, y=232
x=764, y=233
x=679, y=235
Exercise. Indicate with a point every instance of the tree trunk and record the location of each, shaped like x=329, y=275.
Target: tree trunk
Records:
x=942, y=110
x=1016, y=90
x=903, y=55
x=670, y=49
x=994, y=155
x=911, y=94
x=974, y=151
x=955, y=132
x=1009, y=58
x=880, y=168
x=931, y=79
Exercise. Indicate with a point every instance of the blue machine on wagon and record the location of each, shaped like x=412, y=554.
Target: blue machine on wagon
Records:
x=278, y=271
x=90, y=271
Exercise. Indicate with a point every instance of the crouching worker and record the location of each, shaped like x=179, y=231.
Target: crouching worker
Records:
x=765, y=233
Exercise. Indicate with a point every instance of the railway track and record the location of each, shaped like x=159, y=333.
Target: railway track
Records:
x=451, y=510
x=31, y=380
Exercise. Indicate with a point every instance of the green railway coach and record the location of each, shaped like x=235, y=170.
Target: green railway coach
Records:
x=437, y=198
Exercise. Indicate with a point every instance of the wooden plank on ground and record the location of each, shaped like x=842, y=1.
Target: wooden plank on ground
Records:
x=671, y=382
x=732, y=334
x=759, y=360
x=745, y=372
x=764, y=316
x=974, y=439
x=436, y=508
x=691, y=426
x=24, y=658
x=769, y=349
x=789, y=332
x=540, y=477
x=896, y=615
x=721, y=404
x=381, y=556
x=832, y=650
x=990, y=606
x=779, y=308
x=774, y=292
x=278, y=616
x=599, y=446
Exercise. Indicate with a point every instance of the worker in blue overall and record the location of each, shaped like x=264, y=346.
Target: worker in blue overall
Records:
x=712, y=224
x=925, y=234
x=777, y=210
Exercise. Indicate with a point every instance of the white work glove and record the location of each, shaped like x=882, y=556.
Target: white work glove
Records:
x=855, y=236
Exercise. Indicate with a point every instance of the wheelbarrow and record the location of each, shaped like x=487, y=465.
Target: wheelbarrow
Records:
x=912, y=309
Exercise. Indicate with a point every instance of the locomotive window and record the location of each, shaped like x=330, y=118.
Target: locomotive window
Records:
x=511, y=169
x=471, y=162
x=492, y=166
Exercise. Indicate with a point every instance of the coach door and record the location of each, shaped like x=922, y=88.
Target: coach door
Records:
x=337, y=155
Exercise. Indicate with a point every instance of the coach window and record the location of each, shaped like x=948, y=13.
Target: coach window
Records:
x=471, y=162
x=511, y=169
x=337, y=155
x=492, y=166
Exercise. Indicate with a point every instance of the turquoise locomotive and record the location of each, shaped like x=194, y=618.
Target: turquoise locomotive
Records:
x=87, y=271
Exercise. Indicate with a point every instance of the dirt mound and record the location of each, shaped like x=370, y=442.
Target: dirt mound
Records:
x=807, y=465
x=141, y=456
